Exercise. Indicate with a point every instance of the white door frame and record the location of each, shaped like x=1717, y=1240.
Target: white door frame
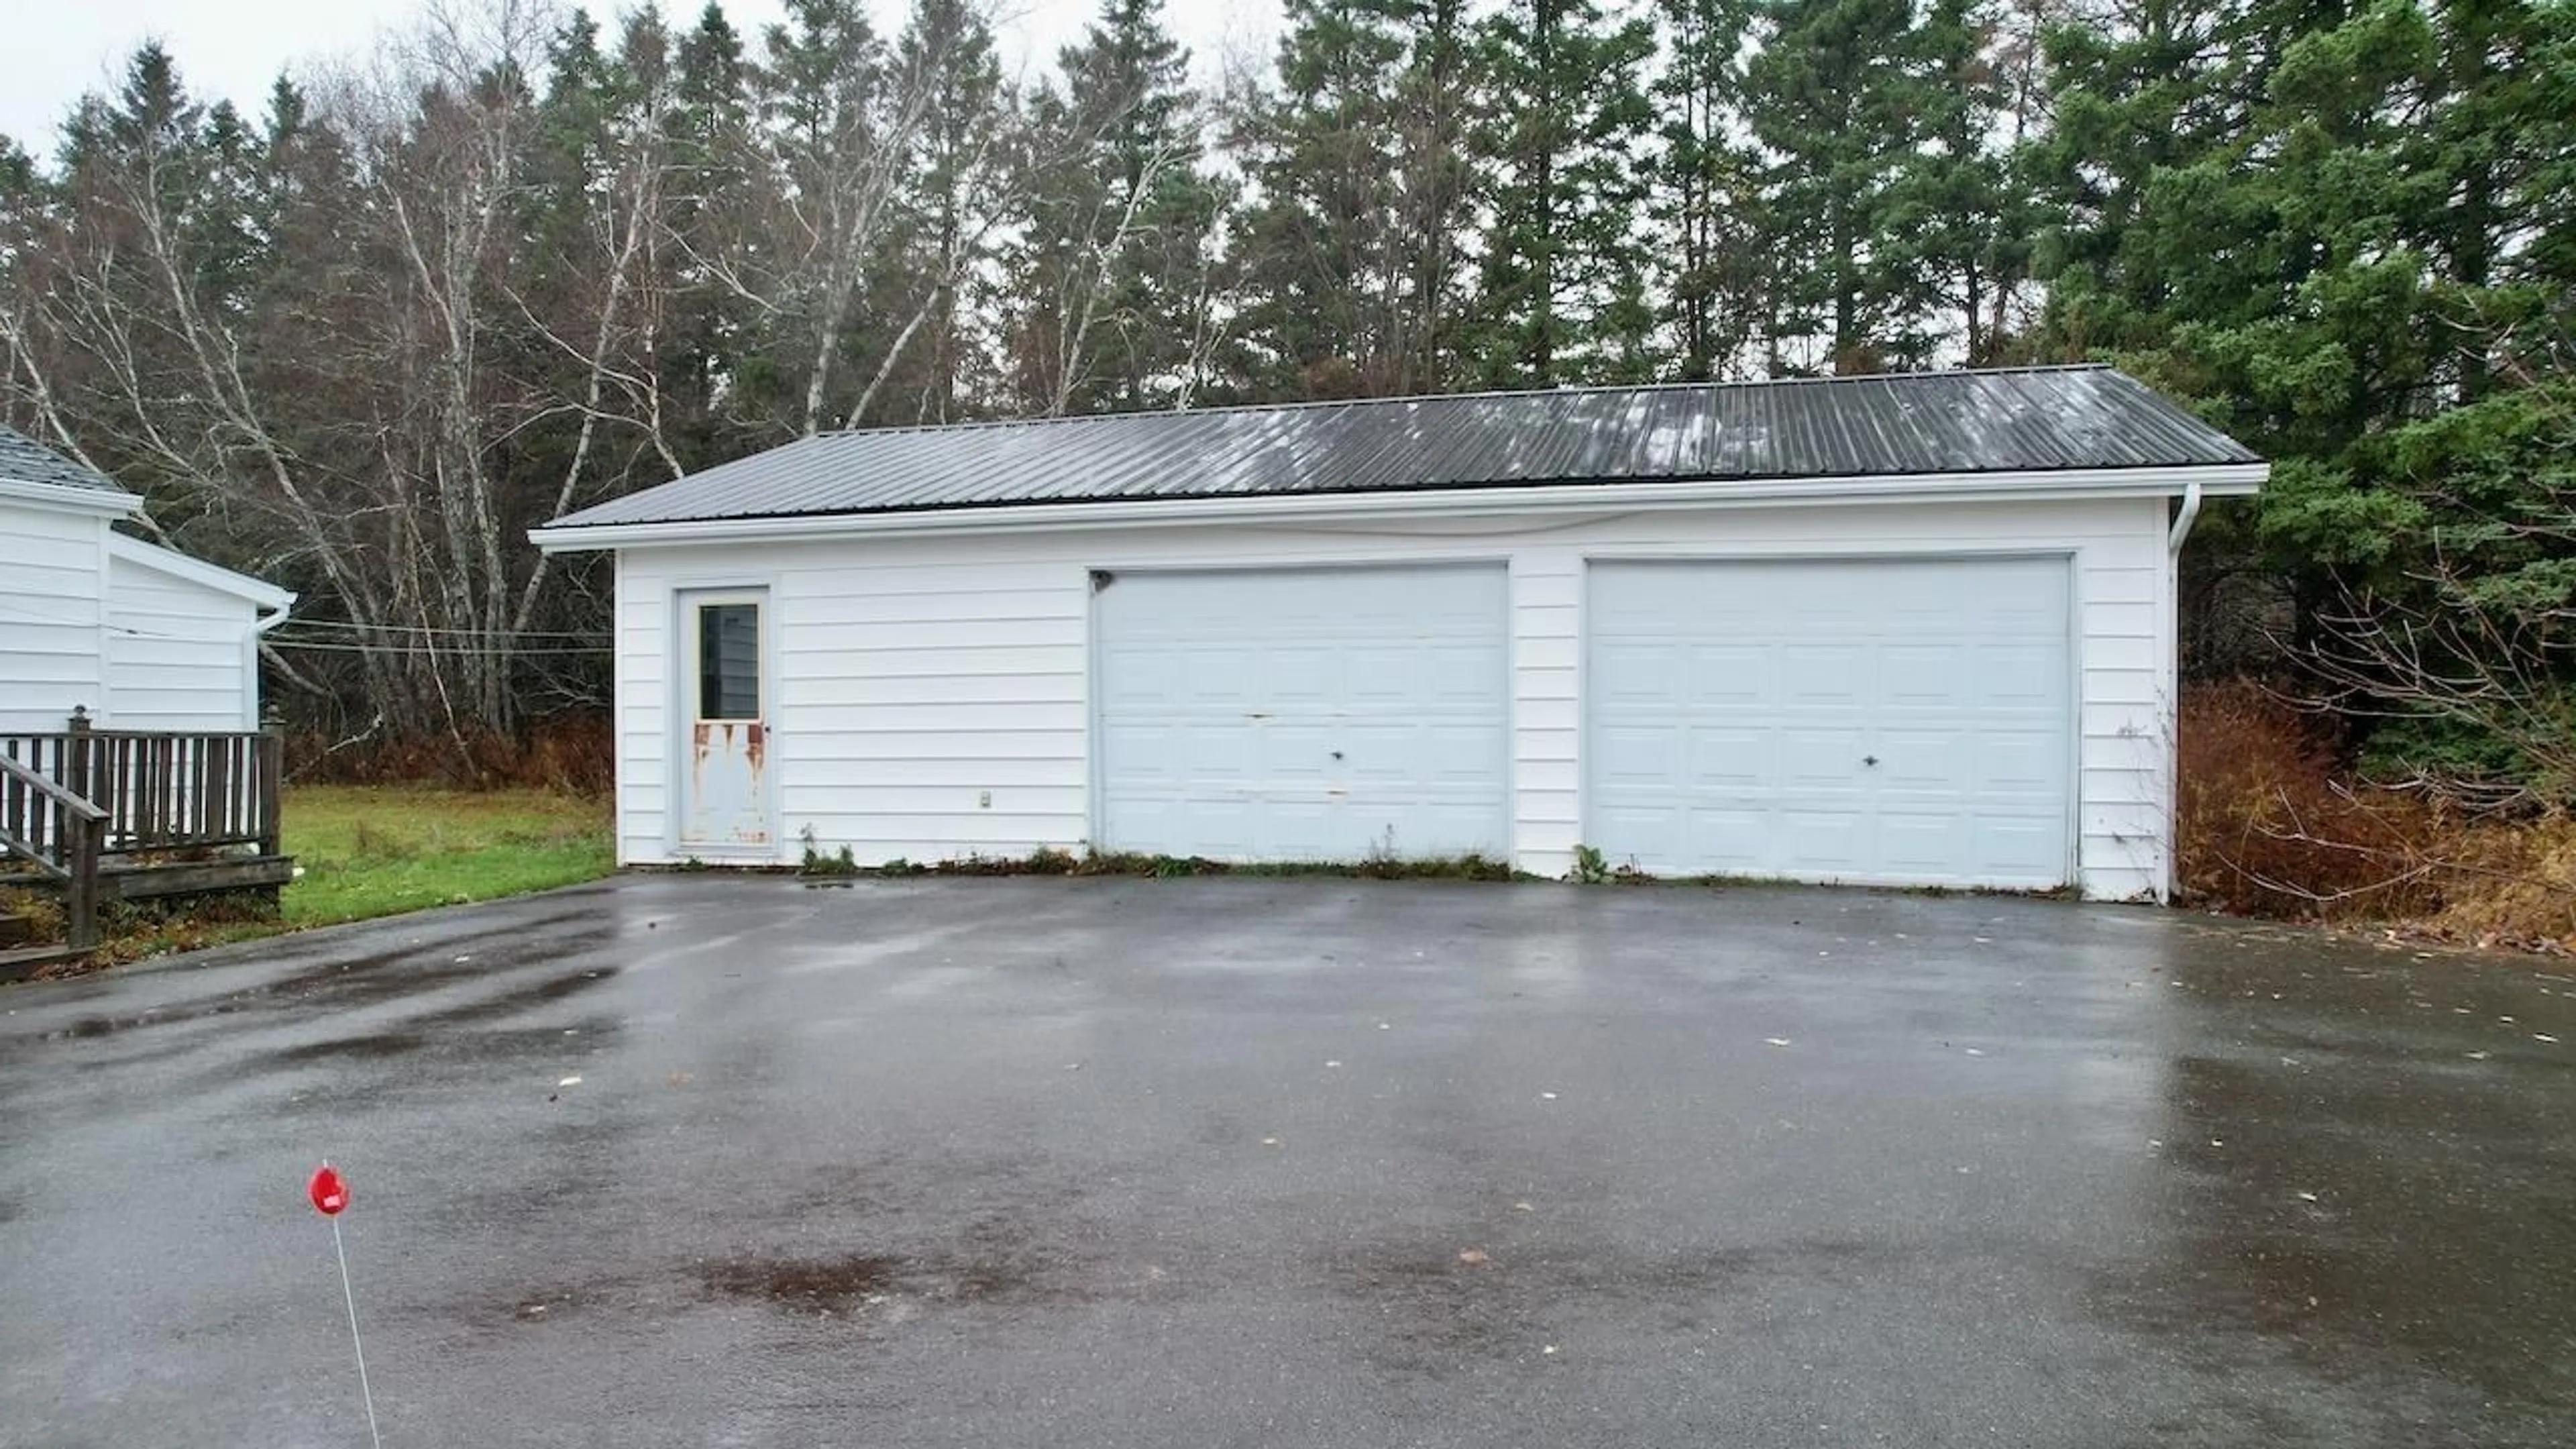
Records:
x=686, y=598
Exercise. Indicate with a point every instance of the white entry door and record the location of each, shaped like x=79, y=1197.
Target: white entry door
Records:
x=1309, y=714
x=727, y=807
x=1896, y=721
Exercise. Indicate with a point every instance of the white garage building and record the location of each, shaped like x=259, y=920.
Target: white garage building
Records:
x=1895, y=630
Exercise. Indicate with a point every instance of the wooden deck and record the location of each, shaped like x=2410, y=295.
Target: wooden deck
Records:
x=106, y=815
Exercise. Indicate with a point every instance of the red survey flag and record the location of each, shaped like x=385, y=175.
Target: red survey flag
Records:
x=328, y=1191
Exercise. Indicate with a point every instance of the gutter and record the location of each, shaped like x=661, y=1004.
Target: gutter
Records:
x=1292, y=509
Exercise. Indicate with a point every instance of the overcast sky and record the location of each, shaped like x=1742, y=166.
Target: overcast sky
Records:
x=58, y=49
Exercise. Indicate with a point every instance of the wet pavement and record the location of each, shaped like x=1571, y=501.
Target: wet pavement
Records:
x=1237, y=1162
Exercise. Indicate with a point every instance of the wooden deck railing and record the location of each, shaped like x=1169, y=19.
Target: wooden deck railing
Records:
x=164, y=791
x=56, y=833
x=102, y=814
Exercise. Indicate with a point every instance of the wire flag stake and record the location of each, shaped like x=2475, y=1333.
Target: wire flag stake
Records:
x=330, y=1193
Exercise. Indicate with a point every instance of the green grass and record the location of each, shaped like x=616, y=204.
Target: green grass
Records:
x=372, y=850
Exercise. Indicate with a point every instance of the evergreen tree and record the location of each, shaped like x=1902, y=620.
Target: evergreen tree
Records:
x=1953, y=230
x=827, y=110
x=1316, y=249
x=1349, y=244
x=1830, y=100
x=1436, y=198
x=1123, y=214
x=947, y=202
x=2136, y=101
x=573, y=119
x=713, y=155
x=1562, y=287
x=1703, y=194
x=2345, y=237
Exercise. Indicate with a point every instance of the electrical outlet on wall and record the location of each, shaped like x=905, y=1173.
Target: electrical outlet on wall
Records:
x=983, y=799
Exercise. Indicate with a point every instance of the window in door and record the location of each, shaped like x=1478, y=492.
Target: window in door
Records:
x=729, y=661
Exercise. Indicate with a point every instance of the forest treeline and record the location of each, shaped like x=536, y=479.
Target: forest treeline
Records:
x=525, y=258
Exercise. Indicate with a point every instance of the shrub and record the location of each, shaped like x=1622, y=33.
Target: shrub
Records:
x=2260, y=825
x=2268, y=821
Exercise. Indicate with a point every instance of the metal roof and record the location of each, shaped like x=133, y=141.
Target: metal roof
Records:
x=2016, y=420
x=24, y=460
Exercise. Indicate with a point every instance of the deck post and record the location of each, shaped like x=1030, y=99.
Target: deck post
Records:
x=80, y=891
x=272, y=778
x=76, y=748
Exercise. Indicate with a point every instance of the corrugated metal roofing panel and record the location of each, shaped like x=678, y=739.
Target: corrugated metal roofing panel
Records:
x=25, y=460
x=2026, y=419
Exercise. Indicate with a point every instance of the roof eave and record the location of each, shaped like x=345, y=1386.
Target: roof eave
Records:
x=112, y=502
x=258, y=592
x=2215, y=480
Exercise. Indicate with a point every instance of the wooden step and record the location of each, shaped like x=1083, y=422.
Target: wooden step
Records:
x=179, y=878
x=25, y=961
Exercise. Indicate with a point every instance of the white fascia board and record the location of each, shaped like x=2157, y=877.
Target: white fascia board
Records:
x=117, y=504
x=2055, y=485
x=197, y=571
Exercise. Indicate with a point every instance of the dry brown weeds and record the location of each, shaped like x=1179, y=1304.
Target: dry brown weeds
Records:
x=2268, y=822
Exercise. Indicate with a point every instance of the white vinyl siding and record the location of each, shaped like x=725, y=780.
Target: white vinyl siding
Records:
x=1547, y=709
x=919, y=673
x=648, y=744
x=178, y=653
x=53, y=578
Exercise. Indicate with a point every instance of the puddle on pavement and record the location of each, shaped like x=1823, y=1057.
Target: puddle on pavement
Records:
x=94, y=1026
x=374, y=1044
x=544, y=992
x=424, y=1030
x=812, y=1285
x=846, y=1285
x=994, y=1260
x=362, y=984
x=91, y=1027
x=344, y=983
x=1438, y=1311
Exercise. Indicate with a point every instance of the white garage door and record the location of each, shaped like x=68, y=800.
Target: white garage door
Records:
x=1888, y=721
x=1312, y=714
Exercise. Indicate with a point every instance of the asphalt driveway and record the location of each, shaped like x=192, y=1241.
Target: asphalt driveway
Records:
x=1232, y=1162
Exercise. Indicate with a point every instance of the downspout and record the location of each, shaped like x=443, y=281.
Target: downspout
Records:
x=259, y=627
x=2183, y=521
x=2174, y=539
